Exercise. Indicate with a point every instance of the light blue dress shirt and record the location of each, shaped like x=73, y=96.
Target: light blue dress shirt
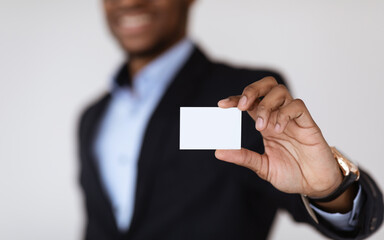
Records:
x=118, y=144
x=122, y=129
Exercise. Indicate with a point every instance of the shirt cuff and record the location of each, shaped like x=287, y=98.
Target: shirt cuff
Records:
x=343, y=221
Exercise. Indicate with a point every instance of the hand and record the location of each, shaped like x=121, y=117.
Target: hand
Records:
x=297, y=158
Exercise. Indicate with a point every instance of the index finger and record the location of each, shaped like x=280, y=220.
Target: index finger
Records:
x=254, y=91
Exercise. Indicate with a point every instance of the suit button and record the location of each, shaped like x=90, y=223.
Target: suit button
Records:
x=373, y=224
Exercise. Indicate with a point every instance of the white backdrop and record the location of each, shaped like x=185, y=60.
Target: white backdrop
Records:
x=55, y=56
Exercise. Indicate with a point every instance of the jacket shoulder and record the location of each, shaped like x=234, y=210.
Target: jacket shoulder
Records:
x=244, y=74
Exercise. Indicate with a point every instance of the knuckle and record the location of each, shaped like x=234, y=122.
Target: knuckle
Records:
x=249, y=89
x=282, y=116
x=262, y=108
x=231, y=98
x=281, y=88
x=247, y=159
x=299, y=102
x=271, y=80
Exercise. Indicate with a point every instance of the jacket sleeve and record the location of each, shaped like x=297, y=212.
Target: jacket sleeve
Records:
x=370, y=217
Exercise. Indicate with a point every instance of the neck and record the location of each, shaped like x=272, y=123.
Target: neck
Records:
x=135, y=64
x=140, y=60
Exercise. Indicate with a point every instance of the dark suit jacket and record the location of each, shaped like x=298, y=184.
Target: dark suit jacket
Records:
x=190, y=194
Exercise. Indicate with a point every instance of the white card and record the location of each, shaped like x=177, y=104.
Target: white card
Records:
x=210, y=128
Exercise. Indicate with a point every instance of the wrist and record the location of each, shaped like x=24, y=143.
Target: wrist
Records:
x=342, y=204
x=336, y=182
x=340, y=199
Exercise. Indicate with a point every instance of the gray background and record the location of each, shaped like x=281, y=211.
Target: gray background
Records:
x=55, y=56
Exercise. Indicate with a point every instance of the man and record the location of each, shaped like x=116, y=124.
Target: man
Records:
x=138, y=185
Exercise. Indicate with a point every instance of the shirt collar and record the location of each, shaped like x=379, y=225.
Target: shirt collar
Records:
x=157, y=74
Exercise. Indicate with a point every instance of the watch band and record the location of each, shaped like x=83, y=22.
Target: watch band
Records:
x=347, y=181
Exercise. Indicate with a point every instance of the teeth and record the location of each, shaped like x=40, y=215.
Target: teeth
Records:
x=134, y=21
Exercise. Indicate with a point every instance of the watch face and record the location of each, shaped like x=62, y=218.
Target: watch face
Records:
x=347, y=167
x=353, y=168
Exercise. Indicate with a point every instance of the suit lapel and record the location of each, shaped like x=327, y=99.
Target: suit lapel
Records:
x=94, y=120
x=180, y=93
x=96, y=190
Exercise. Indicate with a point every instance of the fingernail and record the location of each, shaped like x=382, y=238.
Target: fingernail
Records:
x=222, y=102
x=243, y=101
x=259, y=123
x=277, y=127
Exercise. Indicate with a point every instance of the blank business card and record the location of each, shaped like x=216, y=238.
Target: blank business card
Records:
x=210, y=128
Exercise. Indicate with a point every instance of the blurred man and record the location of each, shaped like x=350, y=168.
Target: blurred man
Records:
x=139, y=185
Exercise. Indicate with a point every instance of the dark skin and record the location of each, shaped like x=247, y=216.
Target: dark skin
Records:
x=297, y=158
x=146, y=28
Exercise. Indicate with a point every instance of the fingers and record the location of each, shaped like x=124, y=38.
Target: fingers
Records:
x=296, y=111
x=246, y=158
x=229, y=102
x=250, y=95
x=275, y=99
x=254, y=91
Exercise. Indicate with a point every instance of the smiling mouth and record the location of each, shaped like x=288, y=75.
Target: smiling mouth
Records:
x=133, y=23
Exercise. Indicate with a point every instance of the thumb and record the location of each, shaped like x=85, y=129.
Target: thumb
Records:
x=246, y=158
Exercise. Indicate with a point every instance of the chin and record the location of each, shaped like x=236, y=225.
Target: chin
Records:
x=142, y=47
x=133, y=46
